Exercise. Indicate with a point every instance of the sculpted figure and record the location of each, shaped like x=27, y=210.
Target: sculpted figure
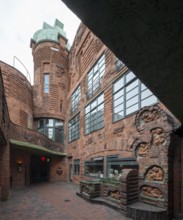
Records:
x=158, y=136
x=155, y=174
x=143, y=149
x=152, y=192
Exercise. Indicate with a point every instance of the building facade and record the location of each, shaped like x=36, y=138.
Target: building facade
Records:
x=86, y=117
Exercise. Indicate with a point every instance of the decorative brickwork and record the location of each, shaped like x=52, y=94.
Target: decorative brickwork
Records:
x=129, y=188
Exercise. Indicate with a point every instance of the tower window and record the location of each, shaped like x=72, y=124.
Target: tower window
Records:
x=46, y=82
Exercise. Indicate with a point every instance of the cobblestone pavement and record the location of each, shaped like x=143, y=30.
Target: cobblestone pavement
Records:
x=53, y=201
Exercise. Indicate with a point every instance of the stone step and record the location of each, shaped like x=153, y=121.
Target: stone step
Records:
x=141, y=211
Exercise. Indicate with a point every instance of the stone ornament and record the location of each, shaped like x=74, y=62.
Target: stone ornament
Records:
x=149, y=115
x=115, y=194
x=158, y=136
x=152, y=192
x=118, y=131
x=59, y=170
x=155, y=173
x=142, y=150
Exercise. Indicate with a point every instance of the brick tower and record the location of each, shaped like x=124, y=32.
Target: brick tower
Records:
x=50, y=52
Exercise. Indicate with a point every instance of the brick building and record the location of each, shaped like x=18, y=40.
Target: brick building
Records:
x=87, y=116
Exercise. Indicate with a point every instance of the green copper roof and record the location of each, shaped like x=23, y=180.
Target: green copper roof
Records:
x=50, y=33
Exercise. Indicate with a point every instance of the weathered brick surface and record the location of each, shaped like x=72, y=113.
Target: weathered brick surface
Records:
x=53, y=62
x=18, y=93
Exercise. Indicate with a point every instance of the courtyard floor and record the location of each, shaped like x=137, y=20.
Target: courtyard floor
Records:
x=53, y=201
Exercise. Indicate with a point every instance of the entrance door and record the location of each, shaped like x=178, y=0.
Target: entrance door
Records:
x=39, y=169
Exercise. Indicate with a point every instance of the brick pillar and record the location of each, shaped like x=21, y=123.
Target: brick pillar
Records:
x=129, y=188
x=4, y=172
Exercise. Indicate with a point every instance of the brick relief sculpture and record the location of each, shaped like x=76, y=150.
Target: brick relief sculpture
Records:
x=151, y=192
x=149, y=115
x=155, y=173
x=142, y=150
x=118, y=131
x=114, y=194
x=59, y=170
x=158, y=136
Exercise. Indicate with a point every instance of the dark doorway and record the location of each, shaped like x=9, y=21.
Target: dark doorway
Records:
x=39, y=169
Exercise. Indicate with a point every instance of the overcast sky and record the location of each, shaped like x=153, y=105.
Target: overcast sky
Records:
x=20, y=19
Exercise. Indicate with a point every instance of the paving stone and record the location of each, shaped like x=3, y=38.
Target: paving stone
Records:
x=53, y=201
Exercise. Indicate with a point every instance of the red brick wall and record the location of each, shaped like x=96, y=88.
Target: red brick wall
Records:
x=18, y=95
x=122, y=137
x=58, y=169
x=19, y=179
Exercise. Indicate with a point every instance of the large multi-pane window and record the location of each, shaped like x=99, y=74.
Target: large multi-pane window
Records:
x=129, y=95
x=74, y=128
x=46, y=82
x=75, y=99
x=94, y=115
x=52, y=128
x=95, y=76
x=76, y=167
x=95, y=167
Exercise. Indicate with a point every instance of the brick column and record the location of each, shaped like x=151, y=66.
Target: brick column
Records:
x=129, y=188
x=4, y=172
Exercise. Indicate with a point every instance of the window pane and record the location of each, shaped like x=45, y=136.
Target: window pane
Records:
x=74, y=128
x=132, y=101
x=132, y=85
x=119, y=108
x=118, y=115
x=149, y=101
x=95, y=75
x=129, y=77
x=75, y=99
x=119, y=84
x=118, y=94
x=146, y=93
x=46, y=83
x=118, y=101
x=94, y=115
x=52, y=128
x=132, y=109
x=132, y=93
x=143, y=87
x=100, y=99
